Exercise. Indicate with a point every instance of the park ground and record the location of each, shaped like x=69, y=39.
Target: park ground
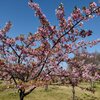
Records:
x=53, y=93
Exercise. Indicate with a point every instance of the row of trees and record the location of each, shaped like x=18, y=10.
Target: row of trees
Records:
x=26, y=58
x=80, y=69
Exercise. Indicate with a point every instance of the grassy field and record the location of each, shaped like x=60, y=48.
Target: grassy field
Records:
x=54, y=93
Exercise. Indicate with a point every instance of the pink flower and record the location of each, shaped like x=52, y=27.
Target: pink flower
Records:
x=1, y=33
x=69, y=20
x=60, y=11
x=76, y=15
x=87, y=11
x=34, y=5
x=7, y=27
x=10, y=41
x=13, y=58
x=88, y=33
x=93, y=5
x=59, y=14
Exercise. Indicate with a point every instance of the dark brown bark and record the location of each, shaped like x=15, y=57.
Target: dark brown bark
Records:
x=22, y=92
x=73, y=91
x=29, y=91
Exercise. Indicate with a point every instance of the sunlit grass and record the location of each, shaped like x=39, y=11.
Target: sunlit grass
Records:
x=53, y=93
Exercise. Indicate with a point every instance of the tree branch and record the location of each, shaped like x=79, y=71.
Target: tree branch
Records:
x=29, y=91
x=72, y=28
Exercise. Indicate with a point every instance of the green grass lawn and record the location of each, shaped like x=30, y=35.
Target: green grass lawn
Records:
x=54, y=93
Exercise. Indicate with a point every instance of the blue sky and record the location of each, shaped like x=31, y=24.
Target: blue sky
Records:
x=24, y=21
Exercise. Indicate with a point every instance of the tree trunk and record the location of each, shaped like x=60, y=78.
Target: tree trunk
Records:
x=22, y=92
x=92, y=86
x=73, y=91
x=21, y=95
x=46, y=87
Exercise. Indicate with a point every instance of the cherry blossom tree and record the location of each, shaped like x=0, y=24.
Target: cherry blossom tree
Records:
x=81, y=70
x=23, y=58
x=91, y=68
